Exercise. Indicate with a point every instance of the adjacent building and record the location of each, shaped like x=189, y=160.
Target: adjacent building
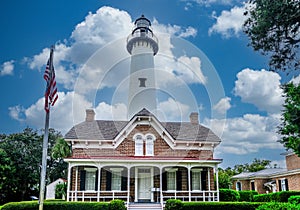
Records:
x=271, y=179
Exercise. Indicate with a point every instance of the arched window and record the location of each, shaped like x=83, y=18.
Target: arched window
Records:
x=139, y=145
x=150, y=144
x=144, y=145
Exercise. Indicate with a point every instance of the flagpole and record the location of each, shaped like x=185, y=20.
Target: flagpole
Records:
x=45, y=148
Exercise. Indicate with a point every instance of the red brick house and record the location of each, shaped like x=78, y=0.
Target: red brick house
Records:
x=142, y=160
x=271, y=179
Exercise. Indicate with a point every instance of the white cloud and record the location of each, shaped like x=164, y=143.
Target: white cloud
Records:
x=223, y=105
x=246, y=134
x=7, y=68
x=68, y=110
x=106, y=111
x=173, y=30
x=261, y=88
x=296, y=80
x=172, y=110
x=229, y=23
x=210, y=2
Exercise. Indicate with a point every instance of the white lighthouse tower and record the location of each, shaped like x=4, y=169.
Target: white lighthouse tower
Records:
x=143, y=46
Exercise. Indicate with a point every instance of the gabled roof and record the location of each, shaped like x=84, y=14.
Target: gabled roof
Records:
x=109, y=129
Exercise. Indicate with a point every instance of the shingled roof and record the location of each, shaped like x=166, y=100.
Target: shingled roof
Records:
x=109, y=129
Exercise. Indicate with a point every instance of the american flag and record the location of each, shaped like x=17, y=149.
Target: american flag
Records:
x=51, y=95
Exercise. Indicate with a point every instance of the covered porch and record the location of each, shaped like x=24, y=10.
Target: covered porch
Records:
x=152, y=181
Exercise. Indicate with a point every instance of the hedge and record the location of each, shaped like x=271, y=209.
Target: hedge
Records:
x=33, y=205
x=295, y=199
x=247, y=195
x=220, y=205
x=228, y=195
x=173, y=204
x=282, y=196
x=276, y=205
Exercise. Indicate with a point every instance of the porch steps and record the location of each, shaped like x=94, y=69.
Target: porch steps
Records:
x=144, y=206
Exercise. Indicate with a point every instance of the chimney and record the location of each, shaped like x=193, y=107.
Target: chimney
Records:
x=90, y=115
x=194, y=118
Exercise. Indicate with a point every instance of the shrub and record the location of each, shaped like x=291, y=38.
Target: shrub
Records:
x=61, y=190
x=220, y=205
x=117, y=205
x=173, y=204
x=33, y=205
x=282, y=196
x=247, y=195
x=278, y=206
x=229, y=195
x=295, y=199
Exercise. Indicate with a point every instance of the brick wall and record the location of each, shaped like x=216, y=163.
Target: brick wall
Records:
x=292, y=162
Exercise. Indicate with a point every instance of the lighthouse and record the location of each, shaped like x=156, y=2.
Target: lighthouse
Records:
x=142, y=45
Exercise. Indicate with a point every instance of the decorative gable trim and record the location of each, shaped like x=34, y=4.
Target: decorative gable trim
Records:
x=144, y=120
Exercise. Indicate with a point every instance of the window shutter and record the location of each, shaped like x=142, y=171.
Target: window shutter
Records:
x=203, y=180
x=286, y=185
x=279, y=184
x=108, y=181
x=82, y=180
x=124, y=180
x=178, y=180
x=164, y=181
x=96, y=181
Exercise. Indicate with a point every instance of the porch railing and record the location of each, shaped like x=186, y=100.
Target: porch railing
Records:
x=123, y=195
x=191, y=196
x=97, y=195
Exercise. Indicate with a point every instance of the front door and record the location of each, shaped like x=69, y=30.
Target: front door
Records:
x=144, y=184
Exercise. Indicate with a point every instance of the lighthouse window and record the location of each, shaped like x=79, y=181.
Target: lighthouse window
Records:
x=142, y=82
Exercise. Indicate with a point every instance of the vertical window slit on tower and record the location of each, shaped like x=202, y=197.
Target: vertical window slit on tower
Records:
x=142, y=82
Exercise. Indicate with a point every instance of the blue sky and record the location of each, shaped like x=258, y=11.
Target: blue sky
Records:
x=204, y=61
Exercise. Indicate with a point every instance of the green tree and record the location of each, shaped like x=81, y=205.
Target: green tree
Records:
x=21, y=156
x=290, y=126
x=7, y=175
x=225, y=175
x=224, y=179
x=61, y=149
x=273, y=29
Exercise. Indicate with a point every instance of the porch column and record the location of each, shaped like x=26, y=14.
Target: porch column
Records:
x=209, y=190
x=98, y=184
x=217, y=182
x=160, y=187
x=76, y=182
x=69, y=182
x=136, y=185
x=189, y=183
x=208, y=174
x=128, y=186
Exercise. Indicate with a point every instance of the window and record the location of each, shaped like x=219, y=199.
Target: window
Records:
x=252, y=185
x=238, y=186
x=144, y=145
x=116, y=180
x=142, y=82
x=171, y=180
x=90, y=178
x=139, y=144
x=149, y=145
x=196, y=179
x=284, y=185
